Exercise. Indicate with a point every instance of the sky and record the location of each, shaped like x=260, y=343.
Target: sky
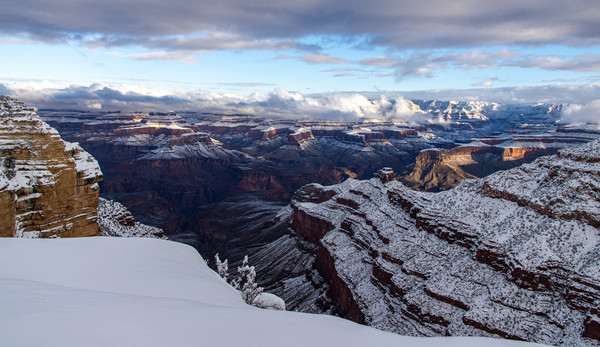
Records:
x=66, y=51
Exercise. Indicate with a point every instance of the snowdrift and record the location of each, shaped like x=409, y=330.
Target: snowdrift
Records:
x=104, y=291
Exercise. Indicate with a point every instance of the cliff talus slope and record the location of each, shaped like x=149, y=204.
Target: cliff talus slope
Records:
x=48, y=187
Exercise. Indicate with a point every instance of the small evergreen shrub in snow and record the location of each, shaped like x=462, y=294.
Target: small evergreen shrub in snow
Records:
x=246, y=284
x=222, y=267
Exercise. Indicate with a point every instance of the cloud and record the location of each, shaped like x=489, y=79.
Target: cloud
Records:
x=381, y=61
x=340, y=106
x=320, y=58
x=344, y=74
x=315, y=58
x=582, y=113
x=165, y=47
x=246, y=84
x=389, y=23
x=428, y=62
x=550, y=94
x=278, y=103
x=183, y=57
x=486, y=83
x=95, y=96
x=583, y=63
x=425, y=64
x=345, y=70
x=382, y=106
x=420, y=37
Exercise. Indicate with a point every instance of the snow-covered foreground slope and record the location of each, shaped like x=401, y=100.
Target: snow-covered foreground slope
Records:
x=147, y=292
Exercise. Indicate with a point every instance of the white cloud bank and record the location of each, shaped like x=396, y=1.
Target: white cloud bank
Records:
x=382, y=106
x=587, y=113
x=278, y=103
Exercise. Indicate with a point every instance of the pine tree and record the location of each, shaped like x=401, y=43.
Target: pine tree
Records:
x=222, y=267
x=245, y=283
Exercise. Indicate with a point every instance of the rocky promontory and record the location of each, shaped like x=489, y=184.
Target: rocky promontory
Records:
x=48, y=187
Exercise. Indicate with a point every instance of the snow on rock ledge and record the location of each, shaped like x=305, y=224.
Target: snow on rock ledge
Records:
x=103, y=291
x=514, y=255
x=48, y=187
x=116, y=220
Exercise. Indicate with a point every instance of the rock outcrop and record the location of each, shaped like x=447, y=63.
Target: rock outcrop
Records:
x=115, y=219
x=442, y=169
x=48, y=187
x=433, y=171
x=514, y=255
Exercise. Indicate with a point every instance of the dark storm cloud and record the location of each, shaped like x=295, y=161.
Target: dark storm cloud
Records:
x=277, y=24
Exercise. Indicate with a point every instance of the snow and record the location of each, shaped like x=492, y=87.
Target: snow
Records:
x=301, y=130
x=268, y=300
x=109, y=213
x=147, y=292
x=85, y=163
x=21, y=134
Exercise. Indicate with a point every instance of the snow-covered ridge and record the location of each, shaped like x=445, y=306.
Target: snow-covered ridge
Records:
x=133, y=292
x=514, y=254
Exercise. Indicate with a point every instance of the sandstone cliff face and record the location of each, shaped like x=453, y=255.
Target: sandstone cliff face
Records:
x=513, y=255
x=48, y=187
x=433, y=171
x=442, y=169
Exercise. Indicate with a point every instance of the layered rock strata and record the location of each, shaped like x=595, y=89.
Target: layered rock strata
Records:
x=442, y=169
x=48, y=187
x=514, y=255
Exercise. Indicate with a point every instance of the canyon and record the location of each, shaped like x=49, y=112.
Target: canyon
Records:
x=174, y=170
x=513, y=254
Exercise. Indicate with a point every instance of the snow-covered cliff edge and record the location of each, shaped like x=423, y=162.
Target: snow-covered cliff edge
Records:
x=104, y=291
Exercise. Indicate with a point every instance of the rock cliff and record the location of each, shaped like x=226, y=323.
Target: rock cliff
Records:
x=48, y=187
x=115, y=219
x=442, y=169
x=514, y=255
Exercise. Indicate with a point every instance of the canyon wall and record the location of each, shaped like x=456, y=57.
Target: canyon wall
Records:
x=513, y=255
x=48, y=187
